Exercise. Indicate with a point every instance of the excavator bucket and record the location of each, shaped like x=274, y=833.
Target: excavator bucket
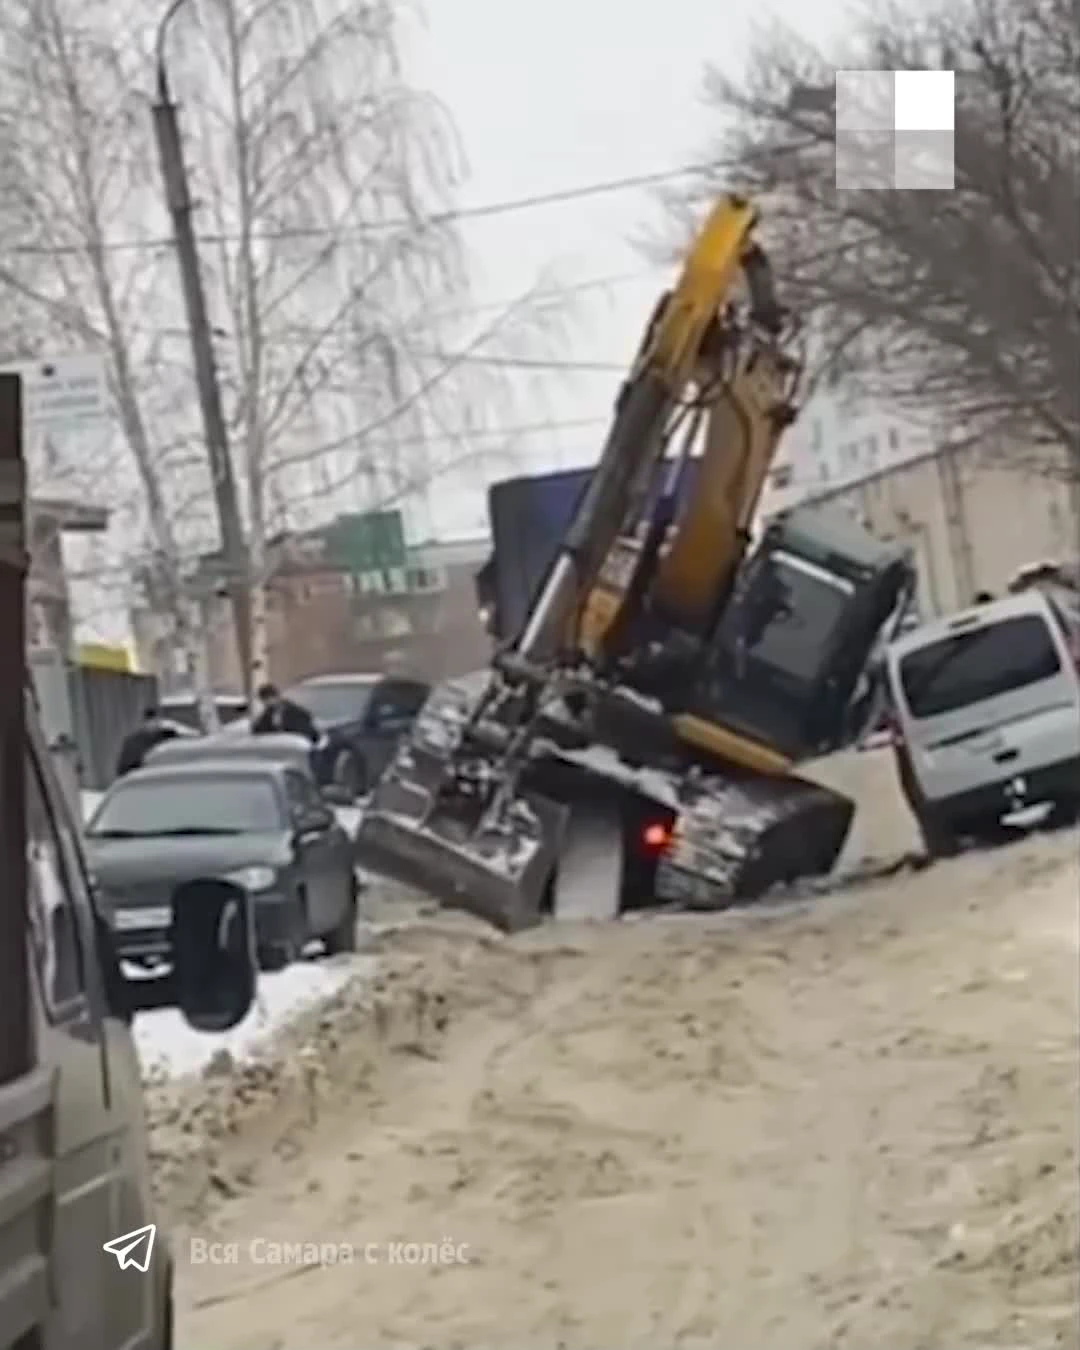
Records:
x=496, y=867
x=499, y=873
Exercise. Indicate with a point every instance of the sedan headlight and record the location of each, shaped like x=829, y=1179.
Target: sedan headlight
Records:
x=253, y=878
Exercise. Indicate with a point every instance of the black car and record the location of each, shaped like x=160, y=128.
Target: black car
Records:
x=160, y=832
x=361, y=718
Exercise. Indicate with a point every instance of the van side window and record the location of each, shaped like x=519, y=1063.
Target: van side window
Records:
x=54, y=926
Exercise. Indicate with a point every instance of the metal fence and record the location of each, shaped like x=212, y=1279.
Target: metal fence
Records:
x=105, y=706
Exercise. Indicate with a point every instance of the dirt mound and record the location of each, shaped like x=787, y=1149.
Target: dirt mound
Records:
x=849, y=1124
x=218, y=1134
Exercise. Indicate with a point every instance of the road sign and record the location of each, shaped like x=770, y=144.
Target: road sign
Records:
x=63, y=393
x=367, y=541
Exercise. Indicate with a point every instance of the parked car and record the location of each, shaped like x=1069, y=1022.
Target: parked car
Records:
x=183, y=709
x=279, y=747
x=260, y=826
x=361, y=718
x=986, y=709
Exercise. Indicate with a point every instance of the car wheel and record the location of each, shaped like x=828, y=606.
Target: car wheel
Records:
x=348, y=773
x=938, y=839
x=274, y=958
x=343, y=937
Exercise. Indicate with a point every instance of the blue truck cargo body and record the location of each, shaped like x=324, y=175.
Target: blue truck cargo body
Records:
x=529, y=516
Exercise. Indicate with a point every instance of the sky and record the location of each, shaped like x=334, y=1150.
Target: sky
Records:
x=547, y=98
x=554, y=96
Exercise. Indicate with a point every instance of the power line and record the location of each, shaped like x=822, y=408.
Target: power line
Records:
x=445, y=437
x=509, y=206
x=521, y=362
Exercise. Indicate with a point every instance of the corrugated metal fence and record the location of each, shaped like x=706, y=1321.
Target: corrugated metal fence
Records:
x=105, y=706
x=85, y=715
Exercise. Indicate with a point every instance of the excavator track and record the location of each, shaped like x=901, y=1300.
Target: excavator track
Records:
x=739, y=839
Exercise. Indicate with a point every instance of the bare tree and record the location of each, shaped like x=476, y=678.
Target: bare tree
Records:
x=963, y=303
x=324, y=187
x=70, y=124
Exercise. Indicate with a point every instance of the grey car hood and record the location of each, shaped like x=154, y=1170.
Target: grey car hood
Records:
x=129, y=862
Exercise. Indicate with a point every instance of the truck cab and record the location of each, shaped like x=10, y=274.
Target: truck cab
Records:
x=74, y=1154
x=74, y=1157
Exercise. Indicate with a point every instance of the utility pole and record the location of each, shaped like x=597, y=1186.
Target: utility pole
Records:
x=178, y=196
x=16, y=1042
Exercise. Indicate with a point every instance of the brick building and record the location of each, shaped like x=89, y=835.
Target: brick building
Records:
x=321, y=619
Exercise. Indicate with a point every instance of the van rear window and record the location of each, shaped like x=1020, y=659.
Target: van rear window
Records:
x=983, y=663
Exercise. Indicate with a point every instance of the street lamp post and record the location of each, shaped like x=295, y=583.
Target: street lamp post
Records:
x=178, y=198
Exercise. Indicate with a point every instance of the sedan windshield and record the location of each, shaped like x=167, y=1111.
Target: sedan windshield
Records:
x=188, y=806
x=344, y=702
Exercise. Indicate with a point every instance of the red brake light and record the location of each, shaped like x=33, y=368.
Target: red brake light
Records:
x=655, y=836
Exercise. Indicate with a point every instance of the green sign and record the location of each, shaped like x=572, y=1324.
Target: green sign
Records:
x=368, y=541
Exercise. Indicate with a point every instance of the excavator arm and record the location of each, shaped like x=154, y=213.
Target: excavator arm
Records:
x=686, y=344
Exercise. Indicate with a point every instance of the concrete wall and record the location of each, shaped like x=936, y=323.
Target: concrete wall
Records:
x=971, y=517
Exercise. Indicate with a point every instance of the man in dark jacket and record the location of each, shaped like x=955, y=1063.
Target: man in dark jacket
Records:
x=281, y=714
x=138, y=743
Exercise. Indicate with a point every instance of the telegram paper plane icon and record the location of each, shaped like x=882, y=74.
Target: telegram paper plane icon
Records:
x=134, y=1248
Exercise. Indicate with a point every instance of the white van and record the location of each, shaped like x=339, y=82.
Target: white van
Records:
x=986, y=717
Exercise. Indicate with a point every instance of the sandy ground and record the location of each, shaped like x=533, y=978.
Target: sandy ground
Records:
x=847, y=1124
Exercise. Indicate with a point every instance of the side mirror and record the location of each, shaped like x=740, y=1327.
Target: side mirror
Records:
x=215, y=968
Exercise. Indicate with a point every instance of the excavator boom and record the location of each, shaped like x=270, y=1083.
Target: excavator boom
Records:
x=670, y=356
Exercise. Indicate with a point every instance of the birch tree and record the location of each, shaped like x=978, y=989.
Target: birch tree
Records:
x=324, y=185
x=328, y=183
x=70, y=123
x=966, y=302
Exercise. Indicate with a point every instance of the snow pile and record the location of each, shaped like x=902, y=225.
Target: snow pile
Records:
x=168, y=1047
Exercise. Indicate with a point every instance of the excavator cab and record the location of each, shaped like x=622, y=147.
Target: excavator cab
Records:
x=794, y=640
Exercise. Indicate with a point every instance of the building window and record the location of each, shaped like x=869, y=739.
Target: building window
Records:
x=894, y=439
x=871, y=451
x=816, y=436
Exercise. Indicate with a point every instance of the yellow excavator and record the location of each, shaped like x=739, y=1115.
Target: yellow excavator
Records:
x=634, y=741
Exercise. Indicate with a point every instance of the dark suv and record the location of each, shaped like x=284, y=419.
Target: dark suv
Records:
x=361, y=718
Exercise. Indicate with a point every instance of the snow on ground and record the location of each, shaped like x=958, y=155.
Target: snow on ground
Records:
x=167, y=1045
